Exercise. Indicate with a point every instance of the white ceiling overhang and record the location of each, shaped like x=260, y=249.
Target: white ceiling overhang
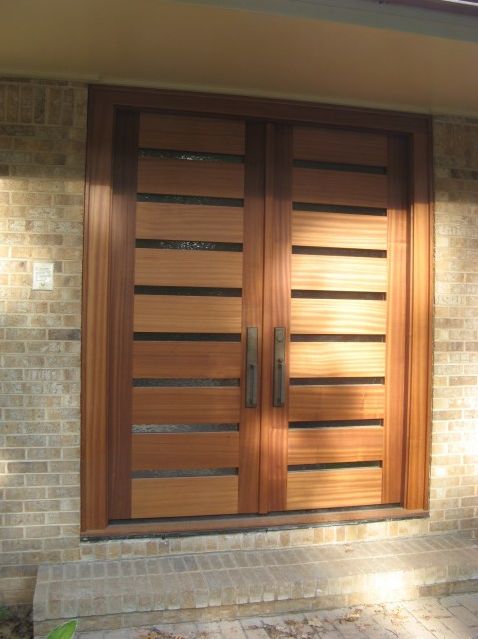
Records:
x=356, y=52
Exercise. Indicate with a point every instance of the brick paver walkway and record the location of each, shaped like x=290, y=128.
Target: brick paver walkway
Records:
x=453, y=617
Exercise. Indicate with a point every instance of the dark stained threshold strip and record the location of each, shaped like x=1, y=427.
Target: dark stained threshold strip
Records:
x=377, y=508
x=195, y=156
x=201, y=291
x=190, y=245
x=336, y=338
x=334, y=466
x=184, y=383
x=187, y=337
x=339, y=166
x=343, y=423
x=194, y=472
x=337, y=295
x=335, y=381
x=167, y=198
x=342, y=252
x=335, y=208
x=184, y=428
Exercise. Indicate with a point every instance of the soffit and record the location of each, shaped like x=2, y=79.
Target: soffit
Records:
x=162, y=43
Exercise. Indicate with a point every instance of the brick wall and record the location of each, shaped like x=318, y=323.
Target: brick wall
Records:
x=454, y=473
x=42, y=134
x=42, y=145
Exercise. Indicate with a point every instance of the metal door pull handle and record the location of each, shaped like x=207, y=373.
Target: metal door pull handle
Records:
x=251, y=367
x=279, y=367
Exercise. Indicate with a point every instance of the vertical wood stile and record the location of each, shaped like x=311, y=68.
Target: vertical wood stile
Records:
x=277, y=259
x=94, y=354
x=252, y=300
x=397, y=320
x=121, y=304
x=418, y=440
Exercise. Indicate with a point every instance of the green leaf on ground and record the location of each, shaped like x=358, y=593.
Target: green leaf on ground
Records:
x=65, y=631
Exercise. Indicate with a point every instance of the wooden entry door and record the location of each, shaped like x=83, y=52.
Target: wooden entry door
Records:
x=337, y=250
x=258, y=318
x=187, y=286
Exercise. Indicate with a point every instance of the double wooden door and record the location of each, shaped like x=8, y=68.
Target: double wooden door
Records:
x=258, y=317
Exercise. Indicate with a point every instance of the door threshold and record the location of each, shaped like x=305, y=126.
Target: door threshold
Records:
x=249, y=523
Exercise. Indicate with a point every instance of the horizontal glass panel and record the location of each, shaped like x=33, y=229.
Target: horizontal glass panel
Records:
x=187, y=383
x=169, y=198
x=339, y=166
x=195, y=156
x=323, y=207
x=202, y=291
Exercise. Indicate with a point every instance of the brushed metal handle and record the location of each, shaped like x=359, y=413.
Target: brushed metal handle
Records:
x=251, y=367
x=278, y=395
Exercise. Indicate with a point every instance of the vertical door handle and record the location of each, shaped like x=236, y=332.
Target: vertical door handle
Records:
x=278, y=398
x=251, y=367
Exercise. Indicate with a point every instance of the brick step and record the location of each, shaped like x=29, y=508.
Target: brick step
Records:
x=106, y=595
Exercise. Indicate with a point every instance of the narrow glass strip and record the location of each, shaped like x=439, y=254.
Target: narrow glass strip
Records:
x=168, y=198
x=335, y=208
x=335, y=381
x=184, y=428
x=343, y=423
x=187, y=337
x=339, y=166
x=190, y=245
x=296, y=337
x=184, y=383
x=337, y=295
x=193, y=472
x=333, y=466
x=195, y=156
x=201, y=291
x=342, y=252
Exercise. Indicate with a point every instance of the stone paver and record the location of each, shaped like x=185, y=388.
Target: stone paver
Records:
x=452, y=617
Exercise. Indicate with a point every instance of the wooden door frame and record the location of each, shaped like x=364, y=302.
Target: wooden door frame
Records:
x=104, y=102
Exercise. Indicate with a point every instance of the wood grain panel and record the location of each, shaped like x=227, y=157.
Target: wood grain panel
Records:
x=334, y=273
x=337, y=359
x=335, y=445
x=95, y=395
x=332, y=145
x=420, y=353
x=339, y=187
x=252, y=295
x=334, y=488
x=121, y=291
x=324, y=403
x=186, y=359
x=339, y=230
x=173, y=405
x=189, y=133
x=338, y=316
x=189, y=314
x=184, y=496
x=274, y=430
x=170, y=267
x=184, y=177
x=174, y=451
x=399, y=217
x=160, y=221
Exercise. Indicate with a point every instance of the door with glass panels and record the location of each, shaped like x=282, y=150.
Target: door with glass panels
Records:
x=258, y=317
x=336, y=260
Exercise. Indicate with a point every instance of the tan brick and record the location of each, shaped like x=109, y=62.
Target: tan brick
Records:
x=42, y=125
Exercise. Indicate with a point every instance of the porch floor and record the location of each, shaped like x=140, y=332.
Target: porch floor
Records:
x=450, y=617
x=210, y=586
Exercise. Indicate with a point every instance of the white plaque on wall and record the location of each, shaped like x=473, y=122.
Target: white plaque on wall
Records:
x=42, y=276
